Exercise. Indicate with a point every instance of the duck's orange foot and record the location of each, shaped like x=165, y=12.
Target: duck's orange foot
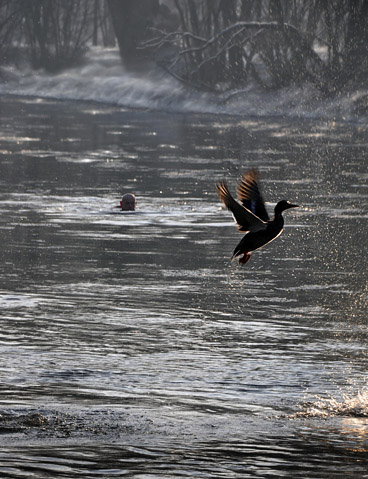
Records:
x=245, y=258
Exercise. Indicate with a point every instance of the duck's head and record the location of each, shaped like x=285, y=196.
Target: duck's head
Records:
x=284, y=205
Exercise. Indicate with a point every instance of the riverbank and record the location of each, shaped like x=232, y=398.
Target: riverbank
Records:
x=101, y=78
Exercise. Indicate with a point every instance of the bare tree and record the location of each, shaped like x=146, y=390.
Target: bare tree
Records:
x=10, y=25
x=346, y=30
x=53, y=33
x=57, y=31
x=224, y=44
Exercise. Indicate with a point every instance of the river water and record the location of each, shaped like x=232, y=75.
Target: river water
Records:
x=130, y=345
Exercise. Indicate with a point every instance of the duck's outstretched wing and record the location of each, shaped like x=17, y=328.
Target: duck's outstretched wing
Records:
x=250, y=196
x=246, y=220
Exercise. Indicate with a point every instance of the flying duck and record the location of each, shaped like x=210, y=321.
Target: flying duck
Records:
x=251, y=216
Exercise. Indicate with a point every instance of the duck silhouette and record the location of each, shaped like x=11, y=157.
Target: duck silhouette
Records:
x=251, y=215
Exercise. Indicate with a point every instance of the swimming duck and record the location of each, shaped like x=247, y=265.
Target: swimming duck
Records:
x=251, y=216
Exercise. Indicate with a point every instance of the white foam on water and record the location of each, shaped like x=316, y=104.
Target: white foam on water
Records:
x=102, y=78
x=345, y=403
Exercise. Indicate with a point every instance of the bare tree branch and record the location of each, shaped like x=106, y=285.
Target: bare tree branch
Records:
x=237, y=35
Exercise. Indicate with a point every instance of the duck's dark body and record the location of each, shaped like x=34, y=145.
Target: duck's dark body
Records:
x=253, y=241
x=260, y=229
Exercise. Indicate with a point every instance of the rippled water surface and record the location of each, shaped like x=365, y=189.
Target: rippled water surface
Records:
x=130, y=345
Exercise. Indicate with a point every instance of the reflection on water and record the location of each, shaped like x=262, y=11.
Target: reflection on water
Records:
x=135, y=338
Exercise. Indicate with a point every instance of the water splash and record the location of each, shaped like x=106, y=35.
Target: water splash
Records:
x=352, y=404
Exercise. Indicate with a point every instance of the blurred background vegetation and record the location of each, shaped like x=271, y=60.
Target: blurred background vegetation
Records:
x=215, y=45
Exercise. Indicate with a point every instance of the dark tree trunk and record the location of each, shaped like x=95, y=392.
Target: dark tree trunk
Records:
x=236, y=68
x=95, y=24
x=131, y=20
x=356, y=43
